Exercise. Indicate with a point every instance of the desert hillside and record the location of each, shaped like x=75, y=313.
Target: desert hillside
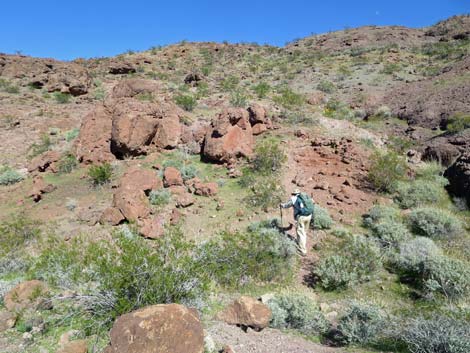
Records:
x=139, y=196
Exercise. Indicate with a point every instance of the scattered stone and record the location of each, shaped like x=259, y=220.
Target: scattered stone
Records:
x=112, y=216
x=163, y=328
x=7, y=320
x=40, y=188
x=26, y=295
x=206, y=189
x=153, y=228
x=246, y=312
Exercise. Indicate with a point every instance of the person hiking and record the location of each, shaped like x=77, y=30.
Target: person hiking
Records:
x=303, y=212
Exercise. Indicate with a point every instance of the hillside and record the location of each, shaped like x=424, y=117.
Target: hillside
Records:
x=155, y=177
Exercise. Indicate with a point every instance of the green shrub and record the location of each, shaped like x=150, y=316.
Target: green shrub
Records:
x=261, y=89
x=433, y=172
x=183, y=164
x=380, y=213
x=299, y=312
x=230, y=83
x=187, y=102
x=361, y=324
x=338, y=110
x=437, y=334
x=61, y=98
x=264, y=191
x=390, y=233
x=386, y=170
x=326, y=86
x=288, y=98
x=418, y=193
x=435, y=223
x=71, y=134
x=458, y=122
x=159, y=197
x=358, y=262
x=43, y=146
x=9, y=176
x=9, y=87
x=321, y=218
x=238, y=99
x=100, y=174
x=413, y=254
x=269, y=157
x=67, y=163
x=390, y=68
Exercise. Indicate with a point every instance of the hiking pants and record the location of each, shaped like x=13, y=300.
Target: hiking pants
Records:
x=303, y=223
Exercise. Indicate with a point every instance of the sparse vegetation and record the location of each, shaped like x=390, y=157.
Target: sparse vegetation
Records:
x=326, y=86
x=9, y=176
x=435, y=223
x=100, y=174
x=185, y=101
x=67, y=163
x=458, y=122
x=62, y=98
x=386, y=170
x=261, y=89
x=159, y=197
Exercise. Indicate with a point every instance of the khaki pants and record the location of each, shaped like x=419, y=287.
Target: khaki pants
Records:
x=303, y=223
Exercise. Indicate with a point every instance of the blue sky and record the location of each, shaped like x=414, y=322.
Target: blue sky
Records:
x=70, y=29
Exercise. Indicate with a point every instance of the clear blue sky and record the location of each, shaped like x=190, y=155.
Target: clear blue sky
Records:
x=68, y=29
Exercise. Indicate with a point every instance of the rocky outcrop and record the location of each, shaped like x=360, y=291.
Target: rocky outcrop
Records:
x=230, y=136
x=121, y=68
x=164, y=328
x=112, y=216
x=247, y=312
x=26, y=295
x=459, y=177
x=44, y=161
x=49, y=74
x=259, y=119
x=192, y=136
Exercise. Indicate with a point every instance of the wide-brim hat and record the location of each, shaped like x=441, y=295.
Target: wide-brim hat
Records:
x=295, y=192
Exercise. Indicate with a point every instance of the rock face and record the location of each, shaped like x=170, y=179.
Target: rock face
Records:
x=25, y=295
x=230, y=136
x=130, y=197
x=170, y=328
x=248, y=312
x=125, y=125
x=52, y=75
x=459, y=177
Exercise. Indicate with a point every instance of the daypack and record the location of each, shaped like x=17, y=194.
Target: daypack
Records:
x=308, y=208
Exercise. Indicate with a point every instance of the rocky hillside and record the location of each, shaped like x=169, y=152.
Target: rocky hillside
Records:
x=140, y=194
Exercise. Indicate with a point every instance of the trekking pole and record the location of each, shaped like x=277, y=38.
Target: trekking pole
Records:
x=280, y=210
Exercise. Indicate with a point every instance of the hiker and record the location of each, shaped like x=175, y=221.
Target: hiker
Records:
x=303, y=212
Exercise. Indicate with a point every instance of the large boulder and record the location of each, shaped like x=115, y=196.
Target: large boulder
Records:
x=93, y=144
x=459, y=177
x=26, y=295
x=133, y=87
x=230, y=136
x=130, y=198
x=193, y=135
x=247, y=312
x=78, y=346
x=172, y=177
x=164, y=328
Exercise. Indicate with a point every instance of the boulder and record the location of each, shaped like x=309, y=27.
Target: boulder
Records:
x=121, y=68
x=192, y=79
x=172, y=177
x=193, y=135
x=230, y=136
x=258, y=129
x=26, y=295
x=132, y=87
x=206, y=189
x=112, y=216
x=163, y=328
x=459, y=177
x=153, y=228
x=93, y=144
x=39, y=188
x=442, y=152
x=258, y=115
x=7, y=320
x=78, y=346
x=247, y=312
x=316, y=98
x=44, y=161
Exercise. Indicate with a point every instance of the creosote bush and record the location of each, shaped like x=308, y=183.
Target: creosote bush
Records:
x=187, y=102
x=100, y=174
x=9, y=176
x=67, y=164
x=159, y=197
x=418, y=193
x=299, y=312
x=356, y=261
x=436, y=334
x=321, y=218
x=435, y=223
x=386, y=169
x=61, y=98
x=362, y=324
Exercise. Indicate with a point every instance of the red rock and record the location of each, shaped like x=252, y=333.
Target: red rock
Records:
x=121, y=68
x=246, y=311
x=171, y=177
x=164, y=328
x=78, y=346
x=206, y=189
x=44, y=161
x=7, y=320
x=112, y=216
x=175, y=217
x=39, y=188
x=132, y=87
x=258, y=115
x=259, y=128
x=153, y=228
x=26, y=295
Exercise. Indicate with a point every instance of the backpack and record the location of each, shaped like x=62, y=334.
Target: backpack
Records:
x=309, y=207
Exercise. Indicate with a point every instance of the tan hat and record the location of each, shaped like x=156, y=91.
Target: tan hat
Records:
x=296, y=192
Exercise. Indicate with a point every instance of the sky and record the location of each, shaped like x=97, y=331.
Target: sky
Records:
x=67, y=30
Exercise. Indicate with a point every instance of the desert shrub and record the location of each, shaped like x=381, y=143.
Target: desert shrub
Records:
x=418, y=193
x=43, y=146
x=264, y=191
x=437, y=334
x=358, y=259
x=261, y=89
x=238, y=99
x=15, y=235
x=61, y=98
x=183, y=164
x=187, y=102
x=321, y=218
x=362, y=324
x=159, y=197
x=326, y=86
x=230, y=83
x=390, y=233
x=269, y=157
x=435, y=223
x=288, y=98
x=458, y=122
x=386, y=169
x=390, y=68
x=71, y=134
x=413, y=253
x=67, y=163
x=297, y=311
x=100, y=174
x=9, y=176
x=261, y=253
x=379, y=213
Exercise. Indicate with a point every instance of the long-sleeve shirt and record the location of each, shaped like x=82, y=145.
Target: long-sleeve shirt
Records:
x=296, y=203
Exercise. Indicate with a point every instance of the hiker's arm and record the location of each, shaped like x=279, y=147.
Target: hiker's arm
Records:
x=287, y=204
